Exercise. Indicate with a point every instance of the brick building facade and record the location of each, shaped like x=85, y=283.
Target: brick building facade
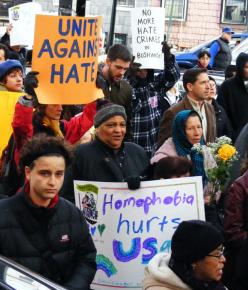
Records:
x=203, y=22
x=187, y=23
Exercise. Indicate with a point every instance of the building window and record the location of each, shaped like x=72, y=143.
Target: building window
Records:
x=120, y=38
x=155, y=3
x=6, y=4
x=175, y=9
x=126, y=3
x=234, y=11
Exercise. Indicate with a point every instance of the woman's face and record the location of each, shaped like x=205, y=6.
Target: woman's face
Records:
x=53, y=111
x=193, y=130
x=14, y=81
x=213, y=89
x=204, y=60
x=2, y=55
x=211, y=267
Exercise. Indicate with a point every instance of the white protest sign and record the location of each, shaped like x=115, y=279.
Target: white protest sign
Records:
x=130, y=227
x=147, y=36
x=22, y=17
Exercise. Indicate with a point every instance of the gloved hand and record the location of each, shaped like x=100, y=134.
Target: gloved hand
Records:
x=30, y=83
x=133, y=182
x=166, y=49
x=133, y=68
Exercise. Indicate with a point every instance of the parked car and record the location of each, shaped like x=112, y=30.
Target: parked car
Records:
x=16, y=277
x=189, y=58
x=242, y=47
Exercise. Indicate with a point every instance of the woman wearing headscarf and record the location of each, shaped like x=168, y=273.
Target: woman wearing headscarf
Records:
x=196, y=261
x=186, y=131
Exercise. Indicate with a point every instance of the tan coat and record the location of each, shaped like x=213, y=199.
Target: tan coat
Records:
x=158, y=276
x=165, y=128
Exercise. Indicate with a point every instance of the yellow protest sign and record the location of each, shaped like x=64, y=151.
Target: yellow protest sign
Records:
x=65, y=54
x=7, y=107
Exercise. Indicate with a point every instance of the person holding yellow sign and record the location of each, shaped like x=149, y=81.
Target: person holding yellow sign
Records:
x=11, y=76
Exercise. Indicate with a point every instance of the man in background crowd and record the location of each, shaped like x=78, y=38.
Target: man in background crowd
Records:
x=221, y=55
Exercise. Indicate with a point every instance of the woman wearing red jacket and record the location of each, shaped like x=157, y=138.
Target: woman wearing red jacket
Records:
x=46, y=119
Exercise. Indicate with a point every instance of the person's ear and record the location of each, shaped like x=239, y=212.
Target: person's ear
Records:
x=96, y=131
x=189, y=87
x=108, y=61
x=27, y=170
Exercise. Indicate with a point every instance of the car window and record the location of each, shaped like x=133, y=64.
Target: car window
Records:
x=18, y=280
x=16, y=277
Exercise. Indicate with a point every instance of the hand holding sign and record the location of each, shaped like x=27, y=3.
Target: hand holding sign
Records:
x=130, y=228
x=31, y=83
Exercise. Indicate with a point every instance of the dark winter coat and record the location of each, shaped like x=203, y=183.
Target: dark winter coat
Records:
x=223, y=126
x=236, y=228
x=241, y=144
x=236, y=215
x=54, y=242
x=233, y=97
x=96, y=161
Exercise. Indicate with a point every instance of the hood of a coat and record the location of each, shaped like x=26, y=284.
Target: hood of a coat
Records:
x=167, y=149
x=242, y=59
x=158, y=274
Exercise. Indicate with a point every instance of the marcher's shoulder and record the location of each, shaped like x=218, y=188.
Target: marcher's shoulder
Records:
x=174, y=109
x=133, y=147
x=241, y=182
x=4, y=203
x=125, y=84
x=82, y=148
x=65, y=206
x=228, y=83
x=243, y=136
x=7, y=216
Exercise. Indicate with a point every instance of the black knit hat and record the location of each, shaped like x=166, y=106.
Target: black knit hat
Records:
x=193, y=240
x=107, y=112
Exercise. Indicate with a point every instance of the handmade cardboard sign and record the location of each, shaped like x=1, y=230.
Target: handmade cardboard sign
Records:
x=147, y=36
x=130, y=227
x=22, y=18
x=66, y=56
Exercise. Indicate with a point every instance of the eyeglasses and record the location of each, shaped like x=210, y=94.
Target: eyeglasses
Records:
x=218, y=256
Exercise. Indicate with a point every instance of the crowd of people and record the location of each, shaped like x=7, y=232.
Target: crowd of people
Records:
x=143, y=129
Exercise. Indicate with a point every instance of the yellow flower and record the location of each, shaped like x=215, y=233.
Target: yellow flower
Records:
x=226, y=152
